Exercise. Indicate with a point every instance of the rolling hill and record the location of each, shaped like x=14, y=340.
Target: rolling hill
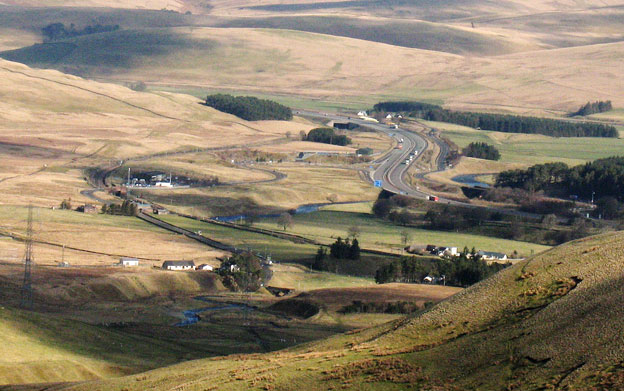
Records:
x=554, y=321
x=466, y=54
x=55, y=125
x=339, y=69
x=41, y=348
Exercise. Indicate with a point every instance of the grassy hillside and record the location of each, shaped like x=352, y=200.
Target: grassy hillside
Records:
x=45, y=348
x=552, y=321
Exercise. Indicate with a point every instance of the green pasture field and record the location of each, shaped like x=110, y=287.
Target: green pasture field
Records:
x=532, y=149
x=279, y=249
x=326, y=225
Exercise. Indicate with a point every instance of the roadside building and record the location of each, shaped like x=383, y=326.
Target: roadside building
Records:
x=128, y=262
x=178, y=265
x=88, y=208
x=159, y=210
x=492, y=256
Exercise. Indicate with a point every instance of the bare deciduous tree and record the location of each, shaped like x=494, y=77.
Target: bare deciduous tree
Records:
x=406, y=236
x=354, y=231
x=285, y=220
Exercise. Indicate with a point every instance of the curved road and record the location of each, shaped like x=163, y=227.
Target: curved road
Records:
x=392, y=168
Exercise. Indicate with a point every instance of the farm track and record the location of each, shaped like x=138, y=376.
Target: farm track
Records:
x=188, y=233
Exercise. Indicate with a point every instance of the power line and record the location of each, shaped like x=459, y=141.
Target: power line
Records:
x=27, y=293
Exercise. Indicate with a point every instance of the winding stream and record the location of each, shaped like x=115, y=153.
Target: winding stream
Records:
x=470, y=180
x=192, y=316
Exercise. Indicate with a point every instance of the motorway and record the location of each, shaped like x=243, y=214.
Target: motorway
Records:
x=392, y=168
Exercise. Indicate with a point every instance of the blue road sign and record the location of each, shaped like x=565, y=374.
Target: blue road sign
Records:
x=377, y=183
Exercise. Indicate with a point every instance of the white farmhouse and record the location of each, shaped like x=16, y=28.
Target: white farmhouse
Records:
x=128, y=262
x=178, y=265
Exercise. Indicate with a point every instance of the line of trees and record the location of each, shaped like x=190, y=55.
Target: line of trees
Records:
x=127, y=208
x=481, y=151
x=593, y=108
x=344, y=250
x=465, y=270
x=58, y=31
x=600, y=178
x=249, y=108
x=501, y=122
x=327, y=136
x=339, y=250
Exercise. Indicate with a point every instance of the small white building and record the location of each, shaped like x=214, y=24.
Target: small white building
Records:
x=204, y=266
x=362, y=114
x=492, y=256
x=178, y=265
x=128, y=262
x=163, y=184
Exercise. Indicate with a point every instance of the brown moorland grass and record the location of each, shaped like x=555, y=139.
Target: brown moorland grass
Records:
x=105, y=238
x=336, y=298
x=304, y=184
x=140, y=4
x=56, y=125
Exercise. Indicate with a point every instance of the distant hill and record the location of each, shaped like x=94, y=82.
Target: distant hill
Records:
x=406, y=33
x=105, y=51
x=555, y=321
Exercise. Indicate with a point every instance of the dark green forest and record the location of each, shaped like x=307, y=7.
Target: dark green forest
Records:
x=57, y=31
x=249, y=108
x=327, y=136
x=500, y=122
x=600, y=178
x=590, y=108
x=481, y=151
